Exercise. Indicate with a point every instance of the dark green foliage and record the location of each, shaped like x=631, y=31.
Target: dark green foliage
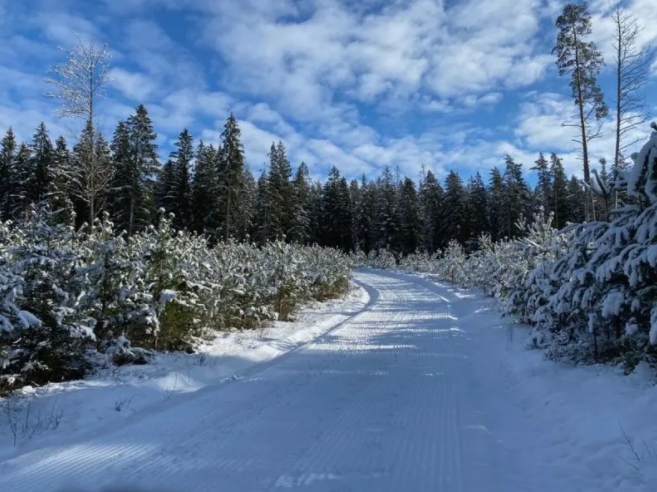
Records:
x=228, y=220
x=454, y=209
x=7, y=160
x=409, y=211
x=136, y=167
x=204, y=186
x=431, y=202
x=336, y=212
x=559, y=204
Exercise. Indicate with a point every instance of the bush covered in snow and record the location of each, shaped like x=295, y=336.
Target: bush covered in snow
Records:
x=598, y=300
x=589, y=291
x=65, y=296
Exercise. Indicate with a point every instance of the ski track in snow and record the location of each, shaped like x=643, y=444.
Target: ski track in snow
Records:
x=398, y=397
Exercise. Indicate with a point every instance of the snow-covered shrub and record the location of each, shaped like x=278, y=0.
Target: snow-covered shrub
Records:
x=421, y=262
x=598, y=301
x=44, y=333
x=63, y=294
x=383, y=259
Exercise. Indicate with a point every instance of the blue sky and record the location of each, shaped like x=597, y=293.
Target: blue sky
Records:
x=452, y=84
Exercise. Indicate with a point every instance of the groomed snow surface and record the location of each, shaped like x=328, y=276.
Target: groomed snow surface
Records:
x=410, y=386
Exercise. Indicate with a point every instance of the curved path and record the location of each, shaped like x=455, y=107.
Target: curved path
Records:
x=390, y=400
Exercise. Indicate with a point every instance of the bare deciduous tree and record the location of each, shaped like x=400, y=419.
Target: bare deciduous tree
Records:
x=632, y=68
x=78, y=83
x=80, y=80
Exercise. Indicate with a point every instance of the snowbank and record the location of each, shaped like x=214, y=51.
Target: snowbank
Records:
x=60, y=411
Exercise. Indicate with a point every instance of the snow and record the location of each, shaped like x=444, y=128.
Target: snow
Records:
x=416, y=386
x=116, y=395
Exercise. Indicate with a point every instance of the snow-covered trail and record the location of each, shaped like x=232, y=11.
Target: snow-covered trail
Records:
x=391, y=400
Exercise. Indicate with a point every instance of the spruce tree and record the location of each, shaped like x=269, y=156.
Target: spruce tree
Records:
x=262, y=226
x=431, y=197
x=280, y=192
x=7, y=161
x=355, y=199
x=577, y=199
x=21, y=184
x=316, y=213
x=42, y=161
x=302, y=204
x=91, y=174
x=204, y=185
x=518, y=198
x=60, y=195
x=544, y=186
x=477, y=208
x=559, y=205
x=165, y=188
x=230, y=178
x=248, y=202
x=336, y=212
x=182, y=158
x=387, y=226
x=454, y=203
x=409, y=210
x=135, y=156
x=365, y=215
x=497, y=199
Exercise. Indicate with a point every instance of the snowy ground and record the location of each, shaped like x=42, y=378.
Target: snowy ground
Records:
x=419, y=388
x=115, y=397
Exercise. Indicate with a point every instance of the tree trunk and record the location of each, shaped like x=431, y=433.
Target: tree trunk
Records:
x=585, y=149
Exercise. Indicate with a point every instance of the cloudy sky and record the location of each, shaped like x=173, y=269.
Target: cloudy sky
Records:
x=452, y=84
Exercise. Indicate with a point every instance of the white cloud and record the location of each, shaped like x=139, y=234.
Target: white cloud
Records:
x=643, y=11
x=135, y=86
x=359, y=86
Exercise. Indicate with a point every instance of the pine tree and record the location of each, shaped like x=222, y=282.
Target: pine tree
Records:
x=230, y=176
x=581, y=60
x=135, y=155
x=7, y=161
